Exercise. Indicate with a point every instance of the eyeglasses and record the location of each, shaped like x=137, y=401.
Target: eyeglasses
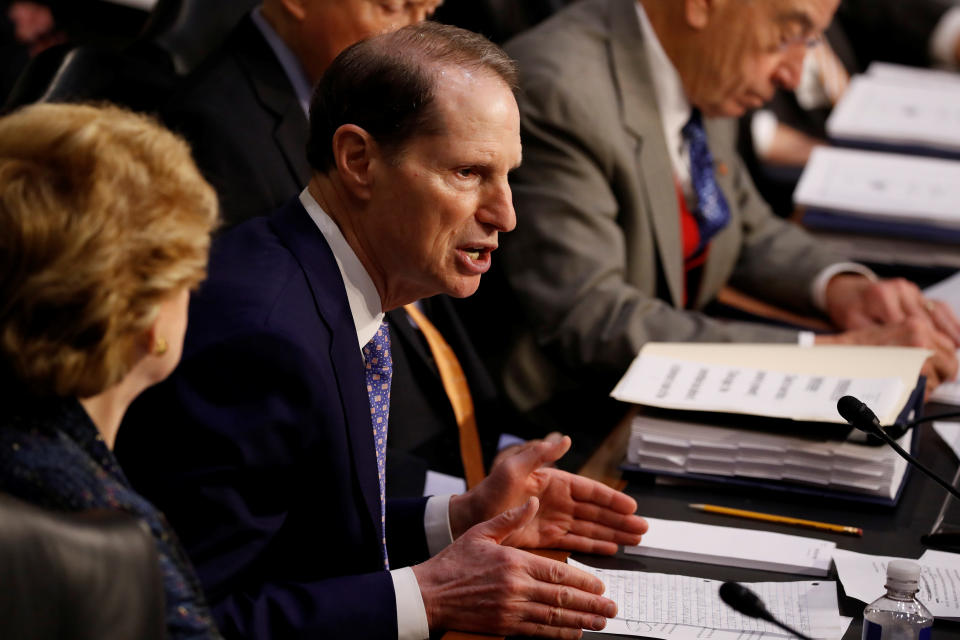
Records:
x=808, y=42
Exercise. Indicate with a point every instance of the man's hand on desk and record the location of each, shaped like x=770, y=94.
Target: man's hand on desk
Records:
x=856, y=302
x=576, y=513
x=913, y=332
x=479, y=584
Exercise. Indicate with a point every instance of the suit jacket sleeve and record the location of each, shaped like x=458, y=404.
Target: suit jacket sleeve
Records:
x=568, y=259
x=243, y=451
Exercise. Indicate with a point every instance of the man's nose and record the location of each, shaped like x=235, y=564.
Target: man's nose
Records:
x=788, y=72
x=497, y=210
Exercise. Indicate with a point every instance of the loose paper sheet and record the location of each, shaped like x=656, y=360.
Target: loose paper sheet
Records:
x=950, y=432
x=646, y=599
x=863, y=577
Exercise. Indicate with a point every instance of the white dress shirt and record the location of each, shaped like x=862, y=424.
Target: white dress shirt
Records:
x=367, y=315
x=675, y=110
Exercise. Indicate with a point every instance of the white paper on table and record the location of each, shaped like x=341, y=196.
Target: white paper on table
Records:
x=913, y=76
x=950, y=432
x=681, y=384
x=668, y=631
x=735, y=547
x=645, y=599
x=863, y=576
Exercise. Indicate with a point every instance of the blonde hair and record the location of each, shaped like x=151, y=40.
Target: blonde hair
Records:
x=103, y=215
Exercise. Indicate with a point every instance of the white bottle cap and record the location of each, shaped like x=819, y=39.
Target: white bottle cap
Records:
x=903, y=575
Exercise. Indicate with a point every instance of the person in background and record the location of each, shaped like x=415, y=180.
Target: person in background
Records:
x=104, y=229
x=636, y=209
x=777, y=140
x=244, y=110
x=285, y=390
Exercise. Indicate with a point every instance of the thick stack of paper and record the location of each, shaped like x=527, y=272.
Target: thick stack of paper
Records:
x=734, y=547
x=657, y=605
x=797, y=388
x=885, y=111
x=881, y=193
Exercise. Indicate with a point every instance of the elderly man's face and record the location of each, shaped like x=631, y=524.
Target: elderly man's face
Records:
x=751, y=47
x=439, y=206
x=330, y=26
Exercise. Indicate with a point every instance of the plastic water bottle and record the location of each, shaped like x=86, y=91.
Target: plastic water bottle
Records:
x=898, y=615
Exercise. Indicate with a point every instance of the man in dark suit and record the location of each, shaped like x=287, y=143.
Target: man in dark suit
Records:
x=244, y=112
x=244, y=109
x=636, y=209
x=265, y=447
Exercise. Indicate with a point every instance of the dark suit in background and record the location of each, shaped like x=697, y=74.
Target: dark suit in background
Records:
x=275, y=497
x=247, y=129
x=892, y=30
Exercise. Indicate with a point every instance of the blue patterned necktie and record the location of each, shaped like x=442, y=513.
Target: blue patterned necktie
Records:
x=378, y=371
x=712, y=211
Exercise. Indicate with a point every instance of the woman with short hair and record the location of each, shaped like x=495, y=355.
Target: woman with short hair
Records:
x=105, y=228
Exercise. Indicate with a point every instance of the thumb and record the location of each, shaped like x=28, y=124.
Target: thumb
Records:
x=545, y=452
x=509, y=521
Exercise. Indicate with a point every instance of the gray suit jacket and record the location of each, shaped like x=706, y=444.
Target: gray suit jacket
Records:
x=596, y=261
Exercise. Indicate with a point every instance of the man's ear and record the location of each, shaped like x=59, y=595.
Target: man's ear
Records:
x=354, y=151
x=698, y=13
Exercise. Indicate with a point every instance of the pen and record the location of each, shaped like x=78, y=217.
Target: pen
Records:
x=768, y=517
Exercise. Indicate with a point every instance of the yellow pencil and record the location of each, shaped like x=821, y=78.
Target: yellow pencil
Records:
x=767, y=517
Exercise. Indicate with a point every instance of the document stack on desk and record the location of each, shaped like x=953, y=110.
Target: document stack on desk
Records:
x=657, y=605
x=881, y=194
x=766, y=415
x=734, y=547
x=900, y=109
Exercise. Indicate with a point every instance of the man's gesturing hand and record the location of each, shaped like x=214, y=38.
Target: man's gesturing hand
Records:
x=477, y=584
x=575, y=513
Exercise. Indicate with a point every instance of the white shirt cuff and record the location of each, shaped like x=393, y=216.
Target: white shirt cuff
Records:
x=763, y=129
x=818, y=290
x=436, y=524
x=943, y=42
x=806, y=338
x=411, y=612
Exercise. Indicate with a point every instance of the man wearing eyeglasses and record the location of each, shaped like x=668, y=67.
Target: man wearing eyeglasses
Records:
x=634, y=209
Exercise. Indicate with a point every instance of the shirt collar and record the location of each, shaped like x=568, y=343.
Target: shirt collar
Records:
x=672, y=101
x=362, y=295
x=291, y=65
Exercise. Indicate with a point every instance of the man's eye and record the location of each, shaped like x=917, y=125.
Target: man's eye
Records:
x=466, y=172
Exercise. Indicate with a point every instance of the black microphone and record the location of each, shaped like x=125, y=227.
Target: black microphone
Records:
x=861, y=417
x=742, y=599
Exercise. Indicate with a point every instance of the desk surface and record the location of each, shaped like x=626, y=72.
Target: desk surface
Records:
x=887, y=531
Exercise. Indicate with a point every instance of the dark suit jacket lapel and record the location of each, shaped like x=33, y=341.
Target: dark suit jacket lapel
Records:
x=298, y=232
x=273, y=89
x=641, y=118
